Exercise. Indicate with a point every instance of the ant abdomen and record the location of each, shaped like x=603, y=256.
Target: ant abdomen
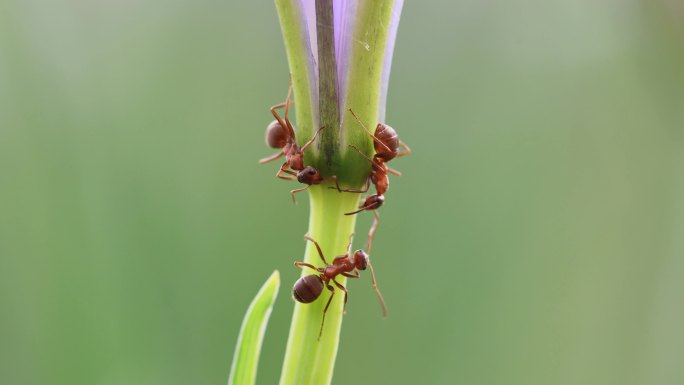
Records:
x=307, y=288
x=277, y=136
x=390, y=140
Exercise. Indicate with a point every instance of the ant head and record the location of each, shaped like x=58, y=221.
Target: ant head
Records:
x=307, y=288
x=309, y=175
x=360, y=259
x=373, y=202
x=276, y=135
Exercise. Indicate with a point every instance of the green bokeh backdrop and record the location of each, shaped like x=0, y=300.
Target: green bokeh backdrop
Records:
x=536, y=237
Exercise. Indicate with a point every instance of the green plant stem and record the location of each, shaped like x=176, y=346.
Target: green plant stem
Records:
x=309, y=361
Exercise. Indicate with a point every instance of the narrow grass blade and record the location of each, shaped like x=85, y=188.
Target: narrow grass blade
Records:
x=246, y=357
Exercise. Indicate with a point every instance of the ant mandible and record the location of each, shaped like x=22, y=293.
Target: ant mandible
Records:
x=387, y=144
x=309, y=287
x=280, y=134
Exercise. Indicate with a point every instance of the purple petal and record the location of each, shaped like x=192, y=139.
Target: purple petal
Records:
x=345, y=17
x=344, y=12
x=338, y=10
x=307, y=15
x=309, y=8
x=389, y=50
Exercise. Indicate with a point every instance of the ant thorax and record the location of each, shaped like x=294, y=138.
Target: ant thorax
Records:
x=295, y=158
x=343, y=263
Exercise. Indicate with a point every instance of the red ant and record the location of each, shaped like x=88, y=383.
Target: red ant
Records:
x=280, y=134
x=387, y=144
x=309, y=287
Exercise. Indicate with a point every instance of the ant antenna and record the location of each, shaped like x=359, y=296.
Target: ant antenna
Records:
x=375, y=139
x=320, y=252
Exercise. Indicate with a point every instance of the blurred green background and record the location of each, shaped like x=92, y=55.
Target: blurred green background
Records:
x=536, y=237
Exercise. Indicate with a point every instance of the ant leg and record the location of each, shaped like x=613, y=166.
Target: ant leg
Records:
x=271, y=158
x=361, y=153
x=376, y=140
x=344, y=289
x=327, y=305
x=287, y=100
x=318, y=247
x=303, y=264
x=285, y=177
x=285, y=123
x=351, y=190
x=349, y=246
x=377, y=291
x=277, y=107
x=307, y=144
x=406, y=151
x=287, y=109
x=283, y=169
x=333, y=178
x=337, y=183
x=374, y=165
x=393, y=171
x=371, y=232
x=293, y=192
x=277, y=115
x=350, y=275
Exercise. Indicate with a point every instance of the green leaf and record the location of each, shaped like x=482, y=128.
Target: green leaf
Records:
x=246, y=358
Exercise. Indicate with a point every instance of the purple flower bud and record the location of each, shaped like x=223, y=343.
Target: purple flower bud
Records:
x=340, y=55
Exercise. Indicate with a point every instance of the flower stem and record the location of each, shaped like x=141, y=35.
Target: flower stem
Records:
x=309, y=36
x=309, y=361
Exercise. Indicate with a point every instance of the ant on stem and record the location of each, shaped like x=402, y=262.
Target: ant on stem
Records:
x=387, y=147
x=280, y=134
x=309, y=287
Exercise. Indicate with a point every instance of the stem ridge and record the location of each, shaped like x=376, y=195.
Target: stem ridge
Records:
x=328, y=105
